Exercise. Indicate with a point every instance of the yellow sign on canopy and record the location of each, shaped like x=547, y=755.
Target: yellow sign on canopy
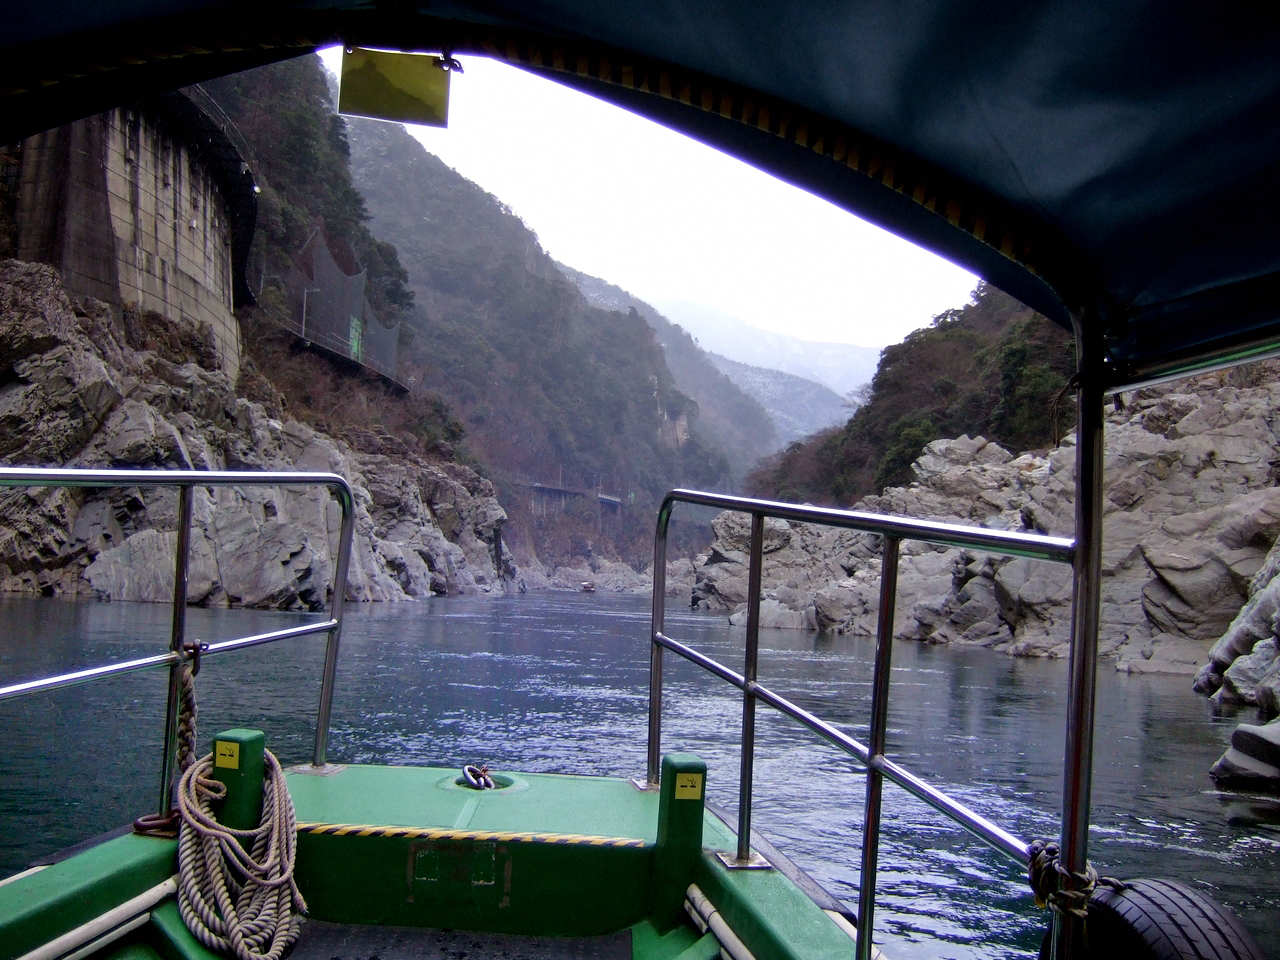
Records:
x=405, y=87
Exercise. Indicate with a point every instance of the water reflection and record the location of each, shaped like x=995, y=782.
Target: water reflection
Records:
x=558, y=683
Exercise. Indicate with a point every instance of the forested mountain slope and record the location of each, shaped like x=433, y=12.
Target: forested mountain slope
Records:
x=798, y=407
x=731, y=418
x=300, y=160
x=993, y=367
x=501, y=347
x=549, y=387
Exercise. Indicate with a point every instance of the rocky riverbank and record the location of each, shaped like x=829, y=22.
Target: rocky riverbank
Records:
x=1189, y=567
x=77, y=390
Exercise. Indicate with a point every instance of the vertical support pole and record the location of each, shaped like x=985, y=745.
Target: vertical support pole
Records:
x=347, y=503
x=657, y=626
x=238, y=762
x=678, y=850
x=177, y=638
x=875, y=745
x=747, y=766
x=1077, y=775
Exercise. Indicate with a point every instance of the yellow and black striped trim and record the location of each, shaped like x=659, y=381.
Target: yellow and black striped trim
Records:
x=436, y=833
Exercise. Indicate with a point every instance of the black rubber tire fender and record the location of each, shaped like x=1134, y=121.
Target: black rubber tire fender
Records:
x=1162, y=920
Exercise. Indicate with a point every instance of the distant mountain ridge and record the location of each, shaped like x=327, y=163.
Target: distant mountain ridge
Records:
x=746, y=429
x=799, y=407
x=843, y=367
x=549, y=386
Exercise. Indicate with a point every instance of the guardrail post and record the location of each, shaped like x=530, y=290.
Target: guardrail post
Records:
x=1068, y=936
x=177, y=638
x=875, y=745
x=658, y=626
x=238, y=763
x=325, y=711
x=678, y=849
x=747, y=768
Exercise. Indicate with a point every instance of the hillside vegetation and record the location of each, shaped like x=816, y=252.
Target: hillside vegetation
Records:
x=550, y=388
x=730, y=416
x=993, y=367
x=300, y=158
x=509, y=365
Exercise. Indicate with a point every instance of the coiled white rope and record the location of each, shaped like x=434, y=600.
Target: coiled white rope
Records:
x=230, y=900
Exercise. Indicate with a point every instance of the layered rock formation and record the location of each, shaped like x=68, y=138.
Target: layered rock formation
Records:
x=1191, y=518
x=1253, y=759
x=74, y=392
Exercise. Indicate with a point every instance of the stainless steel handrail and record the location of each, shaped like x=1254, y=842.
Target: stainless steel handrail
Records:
x=894, y=530
x=186, y=481
x=15, y=690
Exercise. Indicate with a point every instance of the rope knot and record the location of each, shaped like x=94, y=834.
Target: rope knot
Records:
x=1061, y=890
x=191, y=653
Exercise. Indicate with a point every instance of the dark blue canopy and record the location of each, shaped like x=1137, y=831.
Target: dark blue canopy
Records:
x=1109, y=163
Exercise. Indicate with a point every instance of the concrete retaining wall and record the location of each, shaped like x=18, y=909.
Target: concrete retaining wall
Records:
x=173, y=245
x=130, y=214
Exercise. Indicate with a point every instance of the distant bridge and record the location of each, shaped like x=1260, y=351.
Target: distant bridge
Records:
x=546, y=498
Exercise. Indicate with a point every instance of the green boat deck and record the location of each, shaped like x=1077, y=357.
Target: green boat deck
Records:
x=431, y=798
x=545, y=866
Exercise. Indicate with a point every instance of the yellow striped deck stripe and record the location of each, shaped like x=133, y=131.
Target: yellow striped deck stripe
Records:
x=438, y=833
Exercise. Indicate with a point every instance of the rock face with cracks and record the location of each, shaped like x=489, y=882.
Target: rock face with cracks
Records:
x=73, y=392
x=1190, y=569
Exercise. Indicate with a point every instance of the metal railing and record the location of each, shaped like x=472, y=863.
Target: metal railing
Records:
x=893, y=530
x=179, y=650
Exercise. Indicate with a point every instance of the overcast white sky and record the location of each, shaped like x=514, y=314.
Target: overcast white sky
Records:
x=669, y=219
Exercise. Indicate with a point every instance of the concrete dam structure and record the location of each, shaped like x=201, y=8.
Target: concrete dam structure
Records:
x=152, y=205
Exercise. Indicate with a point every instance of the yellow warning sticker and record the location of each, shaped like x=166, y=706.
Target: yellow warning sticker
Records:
x=226, y=754
x=688, y=786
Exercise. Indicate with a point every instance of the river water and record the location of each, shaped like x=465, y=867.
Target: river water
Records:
x=559, y=683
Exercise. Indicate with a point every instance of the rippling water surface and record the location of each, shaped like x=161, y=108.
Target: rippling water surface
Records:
x=559, y=683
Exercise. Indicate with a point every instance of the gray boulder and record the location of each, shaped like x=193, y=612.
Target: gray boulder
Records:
x=1241, y=680
x=80, y=395
x=1191, y=514
x=1253, y=759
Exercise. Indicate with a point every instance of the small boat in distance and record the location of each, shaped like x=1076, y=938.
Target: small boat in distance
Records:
x=588, y=586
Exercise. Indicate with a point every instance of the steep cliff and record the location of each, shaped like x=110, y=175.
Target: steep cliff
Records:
x=77, y=390
x=731, y=418
x=550, y=388
x=1192, y=515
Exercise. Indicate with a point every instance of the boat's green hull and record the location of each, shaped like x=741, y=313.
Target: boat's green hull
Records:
x=547, y=856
